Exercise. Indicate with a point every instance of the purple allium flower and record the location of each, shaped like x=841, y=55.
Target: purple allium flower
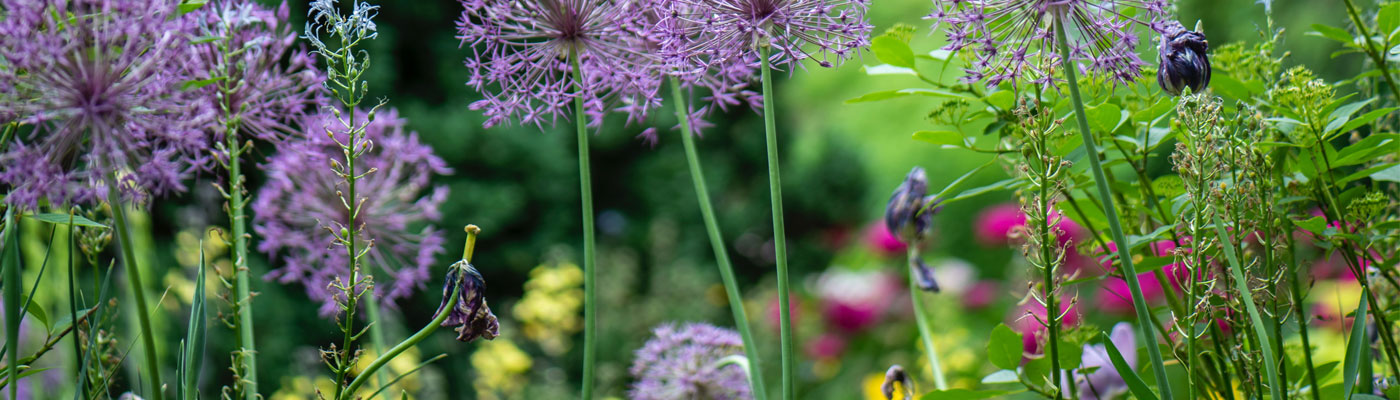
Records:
x=303, y=199
x=1182, y=60
x=684, y=363
x=251, y=52
x=99, y=81
x=469, y=312
x=1015, y=40
x=522, y=53
x=828, y=31
x=1105, y=382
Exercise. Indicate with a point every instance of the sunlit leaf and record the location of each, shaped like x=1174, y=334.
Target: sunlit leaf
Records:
x=892, y=51
x=1004, y=347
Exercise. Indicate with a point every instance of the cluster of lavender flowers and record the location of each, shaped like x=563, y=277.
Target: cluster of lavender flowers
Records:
x=100, y=83
x=685, y=362
x=1016, y=40
x=303, y=198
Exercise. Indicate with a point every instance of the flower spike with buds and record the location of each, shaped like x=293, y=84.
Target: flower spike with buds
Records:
x=464, y=291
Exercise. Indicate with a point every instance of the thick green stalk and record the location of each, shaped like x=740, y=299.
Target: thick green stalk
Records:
x=590, y=287
x=925, y=331
x=726, y=271
x=775, y=188
x=238, y=222
x=138, y=289
x=1149, y=338
x=379, y=363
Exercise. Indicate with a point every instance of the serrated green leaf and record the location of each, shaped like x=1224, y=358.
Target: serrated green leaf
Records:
x=892, y=51
x=963, y=394
x=1004, y=347
x=62, y=219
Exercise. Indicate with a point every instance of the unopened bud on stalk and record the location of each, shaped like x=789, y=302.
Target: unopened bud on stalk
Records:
x=1182, y=60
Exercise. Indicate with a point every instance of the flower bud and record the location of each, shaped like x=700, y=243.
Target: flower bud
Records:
x=1182, y=60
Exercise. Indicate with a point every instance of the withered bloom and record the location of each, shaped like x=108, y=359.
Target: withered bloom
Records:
x=896, y=374
x=909, y=216
x=469, y=313
x=1182, y=60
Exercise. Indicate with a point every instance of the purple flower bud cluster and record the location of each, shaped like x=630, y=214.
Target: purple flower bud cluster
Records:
x=98, y=84
x=304, y=197
x=1015, y=40
x=684, y=362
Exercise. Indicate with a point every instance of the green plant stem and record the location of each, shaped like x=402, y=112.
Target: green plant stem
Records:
x=138, y=289
x=73, y=303
x=376, y=329
x=9, y=258
x=238, y=222
x=1149, y=338
x=1297, y=294
x=925, y=331
x=406, y=344
x=775, y=187
x=1048, y=262
x=1371, y=50
x=590, y=287
x=1261, y=334
x=351, y=297
x=726, y=271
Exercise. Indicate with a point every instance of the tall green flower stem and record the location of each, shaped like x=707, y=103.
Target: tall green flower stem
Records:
x=590, y=287
x=925, y=331
x=384, y=359
x=138, y=289
x=238, y=222
x=726, y=271
x=1375, y=54
x=775, y=188
x=9, y=259
x=348, y=234
x=1149, y=338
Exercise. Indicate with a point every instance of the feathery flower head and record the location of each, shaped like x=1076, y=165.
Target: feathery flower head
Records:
x=99, y=81
x=523, y=51
x=302, y=200
x=1015, y=40
x=828, y=31
x=688, y=362
x=468, y=311
x=1181, y=59
x=253, y=67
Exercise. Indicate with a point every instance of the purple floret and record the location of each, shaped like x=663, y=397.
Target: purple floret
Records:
x=681, y=362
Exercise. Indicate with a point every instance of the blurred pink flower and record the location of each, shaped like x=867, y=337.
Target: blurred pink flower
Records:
x=853, y=301
x=775, y=311
x=981, y=294
x=827, y=346
x=1027, y=320
x=994, y=224
x=1114, y=295
x=879, y=238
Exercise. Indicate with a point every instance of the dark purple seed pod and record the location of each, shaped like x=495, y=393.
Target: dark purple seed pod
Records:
x=1182, y=60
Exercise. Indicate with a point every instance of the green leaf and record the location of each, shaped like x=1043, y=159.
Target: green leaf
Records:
x=192, y=351
x=189, y=6
x=941, y=138
x=10, y=261
x=37, y=311
x=892, y=94
x=1135, y=382
x=1391, y=174
x=205, y=39
x=1168, y=186
x=1366, y=118
x=1003, y=99
x=892, y=51
x=1373, y=170
x=963, y=394
x=1315, y=224
x=1261, y=334
x=1002, y=376
x=1105, y=118
x=1229, y=86
x=62, y=219
x=1071, y=354
x=886, y=69
x=1355, y=345
x=1004, y=348
x=1342, y=114
x=1332, y=32
x=1388, y=19
x=199, y=83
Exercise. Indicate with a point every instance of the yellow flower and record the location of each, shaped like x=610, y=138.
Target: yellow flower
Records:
x=549, y=310
x=500, y=368
x=871, y=387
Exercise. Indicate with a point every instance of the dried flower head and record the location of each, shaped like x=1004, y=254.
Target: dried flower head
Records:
x=303, y=198
x=1015, y=40
x=252, y=69
x=828, y=31
x=689, y=362
x=1181, y=59
x=909, y=216
x=99, y=81
x=523, y=56
x=468, y=311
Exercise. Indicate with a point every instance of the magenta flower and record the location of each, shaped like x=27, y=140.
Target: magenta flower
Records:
x=828, y=31
x=994, y=225
x=99, y=80
x=302, y=200
x=521, y=54
x=1015, y=40
x=1114, y=296
x=1029, y=320
x=685, y=363
x=853, y=301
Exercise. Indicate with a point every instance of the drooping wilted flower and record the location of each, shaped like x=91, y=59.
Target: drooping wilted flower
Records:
x=303, y=198
x=689, y=362
x=895, y=375
x=99, y=81
x=1181, y=60
x=1015, y=40
x=468, y=311
x=250, y=53
x=522, y=54
x=909, y=215
x=828, y=31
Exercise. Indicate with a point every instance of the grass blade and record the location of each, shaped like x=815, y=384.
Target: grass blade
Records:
x=1135, y=382
x=192, y=350
x=1261, y=334
x=1356, y=347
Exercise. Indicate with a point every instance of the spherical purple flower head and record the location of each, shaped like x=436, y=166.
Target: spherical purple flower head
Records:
x=299, y=203
x=1015, y=40
x=272, y=82
x=684, y=363
x=99, y=80
x=521, y=51
x=828, y=31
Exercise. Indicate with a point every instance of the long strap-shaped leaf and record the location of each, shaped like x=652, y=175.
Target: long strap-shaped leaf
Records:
x=1135, y=382
x=1356, y=348
x=1260, y=332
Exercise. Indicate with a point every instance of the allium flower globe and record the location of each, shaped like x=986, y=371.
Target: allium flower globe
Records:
x=827, y=31
x=302, y=199
x=1015, y=40
x=522, y=54
x=99, y=81
x=683, y=362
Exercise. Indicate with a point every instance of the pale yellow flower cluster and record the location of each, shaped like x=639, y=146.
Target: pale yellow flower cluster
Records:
x=548, y=313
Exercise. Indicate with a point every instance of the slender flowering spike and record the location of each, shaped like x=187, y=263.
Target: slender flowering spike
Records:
x=1014, y=40
x=521, y=55
x=270, y=82
x=468, y=311
x=303, y=198
x=689, y=362
x=1182, y=60
x=828, y=31
x=100, y=82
